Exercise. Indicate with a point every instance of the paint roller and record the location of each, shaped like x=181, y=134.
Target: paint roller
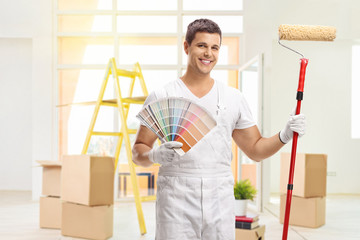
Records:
x=300, y=33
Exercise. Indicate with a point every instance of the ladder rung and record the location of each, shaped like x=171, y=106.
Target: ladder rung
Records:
x=107, y=133
x=135, y=100
x=126, y=73
x=148, y=198
x=132, y=131
x=110, y=103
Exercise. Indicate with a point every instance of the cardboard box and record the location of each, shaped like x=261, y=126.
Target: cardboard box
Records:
x=304, y=212
x=309, y=174
x=87, y=222
x=87, y=180
x=254, y=234
x=51, y=178
x=50, y=212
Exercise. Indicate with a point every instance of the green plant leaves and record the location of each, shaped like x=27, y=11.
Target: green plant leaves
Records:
x=244, y=190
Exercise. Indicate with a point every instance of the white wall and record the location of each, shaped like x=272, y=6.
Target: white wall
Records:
x=15, y=114
x=30, y=20
x=327, y=93
x=44, y=92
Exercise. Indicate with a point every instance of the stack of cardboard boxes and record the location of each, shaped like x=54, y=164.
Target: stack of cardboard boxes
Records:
x=50, y=202
x=254, y=234
x=85, y=206
x=309, y=189
x=87, y=193
x=257, y=233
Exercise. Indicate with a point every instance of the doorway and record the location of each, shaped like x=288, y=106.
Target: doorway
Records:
x=251, y=85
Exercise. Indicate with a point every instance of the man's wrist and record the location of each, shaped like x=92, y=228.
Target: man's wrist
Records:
x=280, y=138
x=151, y=156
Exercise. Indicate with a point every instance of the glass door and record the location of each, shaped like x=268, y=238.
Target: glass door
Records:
x=251, y=85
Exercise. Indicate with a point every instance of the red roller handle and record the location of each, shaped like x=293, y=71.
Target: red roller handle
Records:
x=299, y=97
x=303, y=64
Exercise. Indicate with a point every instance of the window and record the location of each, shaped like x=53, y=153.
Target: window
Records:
x=89, y=33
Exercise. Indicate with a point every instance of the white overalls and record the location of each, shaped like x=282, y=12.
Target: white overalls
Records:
x=195, y=198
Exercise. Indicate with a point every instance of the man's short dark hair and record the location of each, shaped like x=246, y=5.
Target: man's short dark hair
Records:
x=201, y=25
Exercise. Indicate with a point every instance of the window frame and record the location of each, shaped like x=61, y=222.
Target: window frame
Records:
x=115, y=35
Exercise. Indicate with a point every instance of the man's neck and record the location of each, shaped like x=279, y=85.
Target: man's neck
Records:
x=199, y=85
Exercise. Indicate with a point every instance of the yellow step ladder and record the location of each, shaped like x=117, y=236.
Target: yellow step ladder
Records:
x=123, y=105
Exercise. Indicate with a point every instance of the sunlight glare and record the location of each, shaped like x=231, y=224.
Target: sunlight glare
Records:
x=98, y=54
x=104, y=4
x=102, y=24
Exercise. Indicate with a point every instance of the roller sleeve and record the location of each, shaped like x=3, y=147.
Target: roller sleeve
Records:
x=306, y=33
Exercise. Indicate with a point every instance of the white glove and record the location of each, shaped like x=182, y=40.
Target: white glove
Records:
x=164, y=153
x=296, y=123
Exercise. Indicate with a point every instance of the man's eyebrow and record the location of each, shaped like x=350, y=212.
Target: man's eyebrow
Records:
x=204, y=43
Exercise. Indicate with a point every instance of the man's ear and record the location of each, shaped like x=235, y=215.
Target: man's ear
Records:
x=186, y=47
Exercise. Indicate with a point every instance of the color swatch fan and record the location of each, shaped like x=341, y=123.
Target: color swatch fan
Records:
x=177, y=119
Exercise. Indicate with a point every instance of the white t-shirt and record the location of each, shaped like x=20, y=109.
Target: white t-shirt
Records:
x=234, y=101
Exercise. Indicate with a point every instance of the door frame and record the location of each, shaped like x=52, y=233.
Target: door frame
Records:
x=248, y=66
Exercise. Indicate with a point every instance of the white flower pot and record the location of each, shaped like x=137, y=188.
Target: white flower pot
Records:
x=240, y=207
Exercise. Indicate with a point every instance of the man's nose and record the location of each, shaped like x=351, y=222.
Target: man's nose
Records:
x=208, y=52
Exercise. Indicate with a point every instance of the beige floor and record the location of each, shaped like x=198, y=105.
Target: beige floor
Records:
x=19, y=220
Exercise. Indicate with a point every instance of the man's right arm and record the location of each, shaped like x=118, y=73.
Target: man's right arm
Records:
x=144, y=141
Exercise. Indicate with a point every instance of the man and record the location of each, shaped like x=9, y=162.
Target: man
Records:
x=195, y=198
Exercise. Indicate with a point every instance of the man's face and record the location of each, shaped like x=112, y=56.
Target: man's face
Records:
x=203, y=52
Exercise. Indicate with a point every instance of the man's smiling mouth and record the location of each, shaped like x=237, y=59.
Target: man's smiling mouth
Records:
x=206, y=62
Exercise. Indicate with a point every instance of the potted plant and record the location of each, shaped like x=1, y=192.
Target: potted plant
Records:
x=243, y=190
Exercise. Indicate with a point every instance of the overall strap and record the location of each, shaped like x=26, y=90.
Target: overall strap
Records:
x=221, y=95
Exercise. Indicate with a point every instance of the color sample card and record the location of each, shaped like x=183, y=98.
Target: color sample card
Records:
x=177, y=119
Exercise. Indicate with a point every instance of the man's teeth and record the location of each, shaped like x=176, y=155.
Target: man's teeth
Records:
x=205, y=61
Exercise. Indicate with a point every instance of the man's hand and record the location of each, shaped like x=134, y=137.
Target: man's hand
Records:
x=296, y=123
x=164, y=153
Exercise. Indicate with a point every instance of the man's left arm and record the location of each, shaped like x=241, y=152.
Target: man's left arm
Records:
x=258, y=148
x=254, y=145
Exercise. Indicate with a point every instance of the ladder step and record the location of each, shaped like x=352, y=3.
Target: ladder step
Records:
x=107, y=133
x=110, y=103
x=148, y=198
x=135, y=100
x=131, y=131
x=126, y=73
